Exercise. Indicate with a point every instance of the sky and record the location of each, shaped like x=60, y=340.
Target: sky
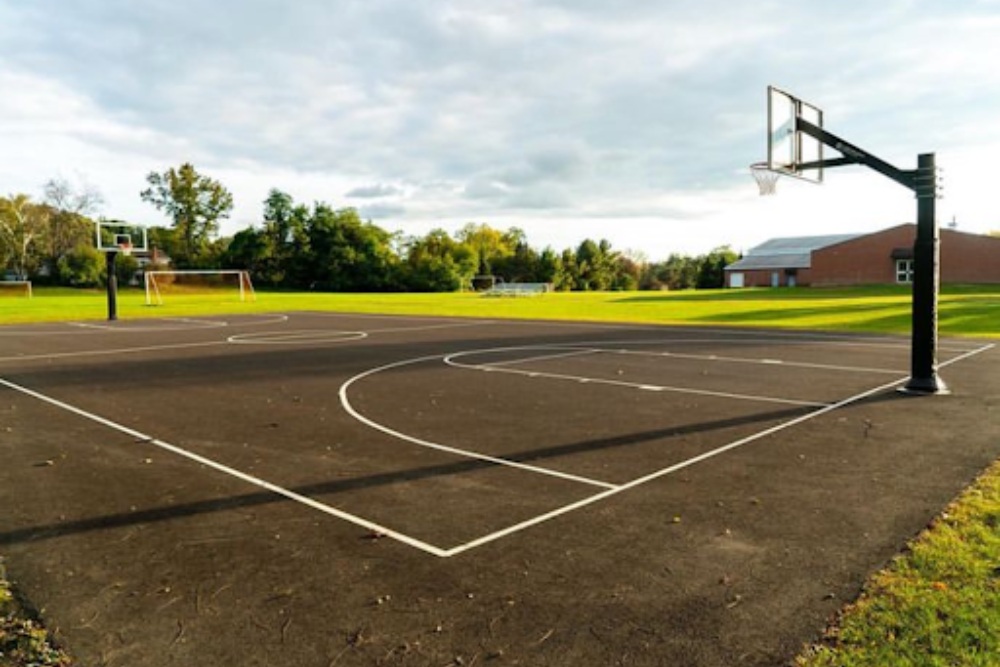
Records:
x=633, y=120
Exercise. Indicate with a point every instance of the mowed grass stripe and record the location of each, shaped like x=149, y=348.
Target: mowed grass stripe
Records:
x=964, y=310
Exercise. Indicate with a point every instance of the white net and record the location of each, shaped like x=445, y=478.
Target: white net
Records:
x=767, y=180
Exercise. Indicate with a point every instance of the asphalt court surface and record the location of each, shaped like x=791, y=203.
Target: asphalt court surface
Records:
x=274, y=401
x=449, y=437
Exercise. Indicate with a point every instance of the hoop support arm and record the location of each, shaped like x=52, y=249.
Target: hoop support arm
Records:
x=853, y=155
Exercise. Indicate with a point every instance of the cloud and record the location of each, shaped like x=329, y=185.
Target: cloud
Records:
x=374, y=191
x=381, y=213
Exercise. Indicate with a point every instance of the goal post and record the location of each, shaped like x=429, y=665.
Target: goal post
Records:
x=224, y=283
x=20, y=288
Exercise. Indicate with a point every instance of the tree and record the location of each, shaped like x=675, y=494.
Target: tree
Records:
x=285, y=238
x=194, y=202
x=437, y=263
x=711, y=274
x=678, y=272
x=22, y=229
x=83, y=266
x=489, y=245
x=69, y=224
x=61, y=195
x=567, y=273
x=596, y=265
x=348, y=254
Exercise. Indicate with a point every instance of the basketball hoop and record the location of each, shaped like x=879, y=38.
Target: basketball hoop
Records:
x=767, y=179
x=124, y=243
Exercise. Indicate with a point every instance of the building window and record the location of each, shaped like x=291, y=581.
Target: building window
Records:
x=904, y=271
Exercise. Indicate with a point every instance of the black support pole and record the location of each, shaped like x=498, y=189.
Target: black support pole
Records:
x=112, y=286
x=926, y=281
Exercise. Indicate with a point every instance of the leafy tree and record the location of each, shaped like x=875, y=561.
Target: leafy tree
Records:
x=82, y=266
x=69, y=224
x=286, y=237
x=627, y=274
x=567, y=273
x=164, y=240
x=596, y=265
x=249, y=249
x=195, y=202
x=710, y=270
x=126, y=267
x=23, y=226
x=348, y=254
x=438, y=263
x=548, y=266
x=521, y=266
x=677, y=273
x=490, y=246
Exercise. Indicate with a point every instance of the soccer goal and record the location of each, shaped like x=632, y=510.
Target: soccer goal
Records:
x=222, y=284
x=15, y=288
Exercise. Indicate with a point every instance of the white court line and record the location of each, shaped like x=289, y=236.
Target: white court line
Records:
x=93, y=329
x=768, y=362
x=485, y=539
x=432, y=327
x=116, y=351
x=543, y=357
x=307, y=336
x=256, y=481
x=296, y=337
x=349, y=408
x=450, y=361
x=968, y=354
x=199, y=324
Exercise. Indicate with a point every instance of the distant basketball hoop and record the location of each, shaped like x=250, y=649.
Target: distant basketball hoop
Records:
x=124, y=242
x=767, y=178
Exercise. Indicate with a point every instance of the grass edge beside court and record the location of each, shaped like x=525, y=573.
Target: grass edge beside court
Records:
x=937, y=603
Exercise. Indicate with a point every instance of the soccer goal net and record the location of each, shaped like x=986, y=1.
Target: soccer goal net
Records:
x=15, y=288
x=223, y=284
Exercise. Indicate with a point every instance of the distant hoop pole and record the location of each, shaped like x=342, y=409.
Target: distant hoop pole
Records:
x=109, y=262
x=767, y=178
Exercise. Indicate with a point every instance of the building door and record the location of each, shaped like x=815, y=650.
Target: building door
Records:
x=736, y=279
x=775, y=279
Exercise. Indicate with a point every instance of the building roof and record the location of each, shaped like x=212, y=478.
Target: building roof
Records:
x=787, y=253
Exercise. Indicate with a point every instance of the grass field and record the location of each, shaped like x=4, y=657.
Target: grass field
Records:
x=964, y=310
x=937, y=604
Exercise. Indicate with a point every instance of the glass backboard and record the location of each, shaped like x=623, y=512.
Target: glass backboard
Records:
x=787, y=147
x=120, y=236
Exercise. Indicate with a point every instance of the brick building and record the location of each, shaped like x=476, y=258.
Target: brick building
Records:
x=883, y=257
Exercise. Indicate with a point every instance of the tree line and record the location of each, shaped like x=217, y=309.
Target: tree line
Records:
x=318, y=246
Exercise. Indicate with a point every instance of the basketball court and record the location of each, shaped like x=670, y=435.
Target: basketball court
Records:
x=334, y=489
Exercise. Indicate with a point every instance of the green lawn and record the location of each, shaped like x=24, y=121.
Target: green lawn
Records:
x=938, y=604
x=964, y=310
